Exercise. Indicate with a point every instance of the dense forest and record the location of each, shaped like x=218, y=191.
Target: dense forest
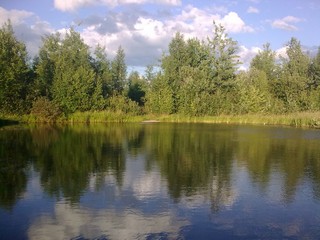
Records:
x=195, y=78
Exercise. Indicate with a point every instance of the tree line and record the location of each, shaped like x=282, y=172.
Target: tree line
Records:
x=195, y=78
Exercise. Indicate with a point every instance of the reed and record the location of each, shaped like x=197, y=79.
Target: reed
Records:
x=299, y=119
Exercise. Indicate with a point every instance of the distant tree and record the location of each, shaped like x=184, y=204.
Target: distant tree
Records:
x=159, y=97
x=253, y=92
x=314, y=71
x=119, y=71
x=225, y=60
x=265, y=61
x=14, y=72
x=102, y=68
x=137, y=88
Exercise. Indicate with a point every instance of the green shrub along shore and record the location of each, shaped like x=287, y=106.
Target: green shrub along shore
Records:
x=300, y=119
x=195, y=81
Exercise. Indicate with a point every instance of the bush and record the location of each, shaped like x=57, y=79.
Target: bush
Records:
x=122, y=104
x=45, y=110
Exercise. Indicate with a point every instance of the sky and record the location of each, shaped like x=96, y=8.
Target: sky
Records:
x=144, y=28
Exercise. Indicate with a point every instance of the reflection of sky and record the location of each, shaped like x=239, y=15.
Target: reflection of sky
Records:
x=142, y=207
x=68, y=222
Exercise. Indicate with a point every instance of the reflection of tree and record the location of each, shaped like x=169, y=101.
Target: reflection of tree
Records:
x=76, y=153
x=190, y=156
x=291, y=151
x=14, y=160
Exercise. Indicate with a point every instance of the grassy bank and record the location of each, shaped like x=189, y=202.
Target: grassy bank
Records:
x=301, y=119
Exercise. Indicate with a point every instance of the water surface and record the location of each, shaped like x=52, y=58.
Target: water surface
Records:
x=159, y=181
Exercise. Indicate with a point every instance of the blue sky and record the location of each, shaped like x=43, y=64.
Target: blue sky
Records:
x=144, y=28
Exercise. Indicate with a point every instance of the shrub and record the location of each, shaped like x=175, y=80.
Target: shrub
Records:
x=45, y=110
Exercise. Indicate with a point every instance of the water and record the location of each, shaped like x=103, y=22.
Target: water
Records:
x=159, y=181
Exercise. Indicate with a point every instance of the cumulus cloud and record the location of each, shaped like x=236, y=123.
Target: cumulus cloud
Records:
x=246, y=55
x=234, y=24
x=145, y=37
x=72, y=5
x=15, y=16
x=286, y=23
x=27, y=27
x=252, y=10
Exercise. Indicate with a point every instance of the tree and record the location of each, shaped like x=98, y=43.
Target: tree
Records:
x=159, y=97
x=172, y=64
x=137, y=88
x=223, y=53
x=253, y=92
x=14, y=72
x=265, y=61
x=102, y=68
x=73, y=83
x=314, y=71
x=45, y=66
x=119, y=71
x=291, y=87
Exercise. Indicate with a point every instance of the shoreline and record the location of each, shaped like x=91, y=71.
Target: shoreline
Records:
x=299, y=120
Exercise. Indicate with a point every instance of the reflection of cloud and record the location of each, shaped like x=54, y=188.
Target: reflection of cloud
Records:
x=147, y=185
x=223, y=194
x=69, y=222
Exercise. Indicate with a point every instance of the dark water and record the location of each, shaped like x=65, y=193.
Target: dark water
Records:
x=159, y=181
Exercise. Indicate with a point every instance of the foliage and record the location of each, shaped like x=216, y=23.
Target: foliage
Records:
x=159, y=97
x=45, y=110
x=13, y=72
x=195, y=78
x=119, y=71
x=122, y=104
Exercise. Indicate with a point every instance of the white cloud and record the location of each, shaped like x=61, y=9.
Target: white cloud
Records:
x=234, y=24
x=246, y=55
x=252, y=10
x=16, y=16
x=145, y=37
x=27, y=27
x=72, y=5
x=281, y=53
x=286, y=23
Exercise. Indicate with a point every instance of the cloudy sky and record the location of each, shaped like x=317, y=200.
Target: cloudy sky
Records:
x=145, y=27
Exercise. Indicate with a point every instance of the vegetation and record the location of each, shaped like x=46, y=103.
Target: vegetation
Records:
x=196, y=80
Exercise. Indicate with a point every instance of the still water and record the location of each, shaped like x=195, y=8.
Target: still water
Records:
x=159, y=181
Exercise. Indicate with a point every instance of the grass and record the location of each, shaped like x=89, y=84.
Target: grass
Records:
x=300, y=119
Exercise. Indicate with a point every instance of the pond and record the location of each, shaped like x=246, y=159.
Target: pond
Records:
x=159, y=181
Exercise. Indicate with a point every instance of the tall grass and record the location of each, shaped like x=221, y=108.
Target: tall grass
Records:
x=300, y=119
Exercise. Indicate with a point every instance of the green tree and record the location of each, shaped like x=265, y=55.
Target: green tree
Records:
x=102, y=68
x=14, y=72
x=45, y=66
x=291, y=87
x=265, y=61
x=159, y=97
x=314, y=71
x=172, y=64
x=253, y=92
x=137, y=88
x=119, y=71
x=74, y=77
x=223, y=53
